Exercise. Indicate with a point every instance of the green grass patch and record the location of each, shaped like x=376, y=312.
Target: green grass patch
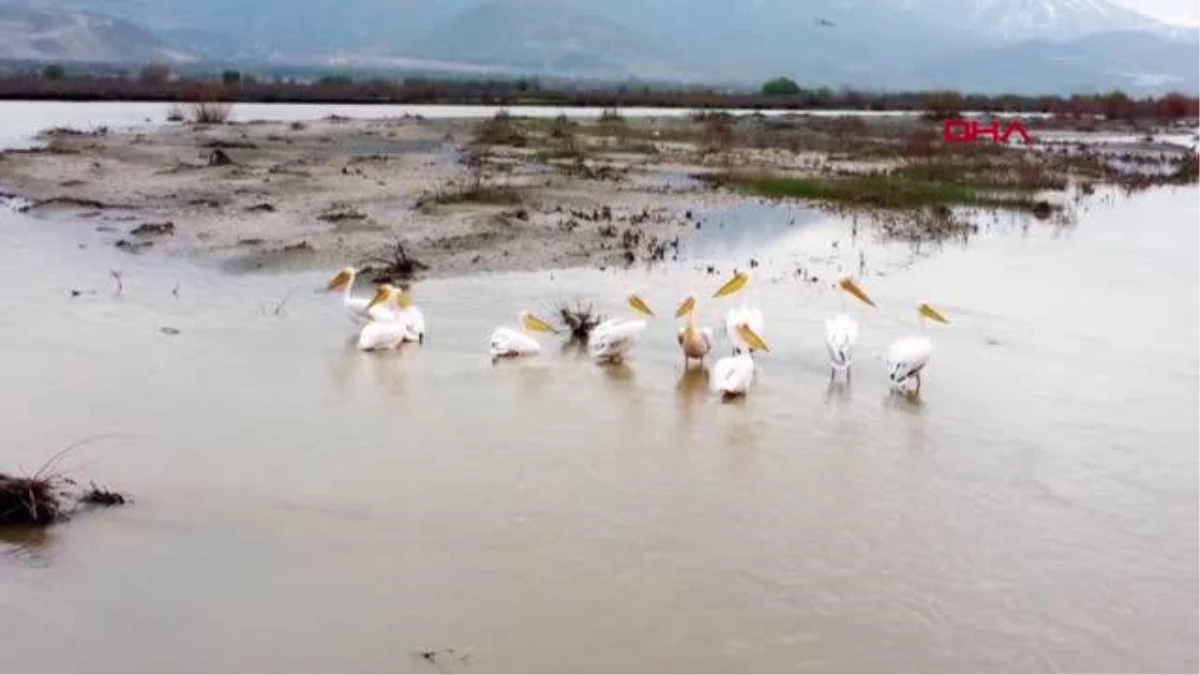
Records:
x=889, y=192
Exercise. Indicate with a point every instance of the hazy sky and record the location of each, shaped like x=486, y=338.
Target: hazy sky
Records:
x=1174, y=11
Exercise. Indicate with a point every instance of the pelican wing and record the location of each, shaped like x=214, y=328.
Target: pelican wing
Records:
x=416, y=320
x=508, y=342
x=907, y=356
x=356, y=309
x=841, y=332
x=614, y=337
x=705, y=336
x=732, y=374
x=381, y=335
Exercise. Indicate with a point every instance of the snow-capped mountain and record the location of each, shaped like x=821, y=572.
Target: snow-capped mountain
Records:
x=30, y=33
x=1017, y=20
x=1023, y=46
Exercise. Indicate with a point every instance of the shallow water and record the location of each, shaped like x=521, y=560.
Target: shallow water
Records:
x=301, y=506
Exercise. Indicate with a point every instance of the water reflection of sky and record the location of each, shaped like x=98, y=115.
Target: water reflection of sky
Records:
x=746, y=230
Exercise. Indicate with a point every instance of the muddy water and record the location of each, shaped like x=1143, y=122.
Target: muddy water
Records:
x=301, y=506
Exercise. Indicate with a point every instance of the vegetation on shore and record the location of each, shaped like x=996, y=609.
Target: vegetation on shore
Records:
x=878, y=191
x=156, y=82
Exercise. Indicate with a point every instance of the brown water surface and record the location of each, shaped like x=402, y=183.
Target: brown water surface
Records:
x=301, y=506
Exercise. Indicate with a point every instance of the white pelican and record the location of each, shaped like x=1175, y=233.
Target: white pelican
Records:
x=356, y=307
x=751, y=316
x=695, y=342
x=908, y=356
x=732, y=375
x=611, y=339
x=841, y=332
x=416, y=320
x=508, y=342
x=389, y=306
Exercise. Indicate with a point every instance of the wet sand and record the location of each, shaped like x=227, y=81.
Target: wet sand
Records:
x=335, y=192
x=317, y=195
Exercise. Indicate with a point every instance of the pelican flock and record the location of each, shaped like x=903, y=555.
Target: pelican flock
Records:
x=389, y=318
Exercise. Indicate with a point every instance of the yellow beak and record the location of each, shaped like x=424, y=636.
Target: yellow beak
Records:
x=339, y=281
x=531, y=322
x=380, y=295
x=931, y=313
x=852, y=288
x=640, y=305
x=752, y=338
x=686, y=307
x=737, y=283
x=404, y=301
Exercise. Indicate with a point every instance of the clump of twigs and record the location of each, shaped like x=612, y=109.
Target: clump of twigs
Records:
x=43, y=498
x=29, y=501
x=400, y=265
x=580, y=320
x=98, y=496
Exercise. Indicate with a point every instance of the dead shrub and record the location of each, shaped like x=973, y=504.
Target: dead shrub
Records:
x=208, y=104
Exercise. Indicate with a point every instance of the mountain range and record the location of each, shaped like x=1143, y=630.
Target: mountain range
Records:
x=986, y=46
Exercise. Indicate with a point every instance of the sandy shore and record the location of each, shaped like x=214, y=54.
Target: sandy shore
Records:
x=538, y=194
x=337, y=192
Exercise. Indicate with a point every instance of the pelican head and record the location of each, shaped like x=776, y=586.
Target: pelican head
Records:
x=752, y=338
x=384, y=293
x=687, y=306
x=852, y=288
x=533, y=323
x=930, y=313
x=640, y=305
x=342, y=279
x=735, y=284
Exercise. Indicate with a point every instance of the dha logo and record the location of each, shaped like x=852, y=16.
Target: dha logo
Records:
x=970, y=131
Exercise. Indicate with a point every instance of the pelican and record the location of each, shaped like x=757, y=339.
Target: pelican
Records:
x=732, y=375
x=508, y=342
x=695, y=342
x=356, y=307
x=751, y=316
x=841, y=332
x=611, y=339
x=908, y=356
x=389, y=326
x=416, y=320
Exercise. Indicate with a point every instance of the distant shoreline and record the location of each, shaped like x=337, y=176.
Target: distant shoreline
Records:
x=1171, y=107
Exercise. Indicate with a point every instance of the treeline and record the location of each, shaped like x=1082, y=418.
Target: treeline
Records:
x=156, y=83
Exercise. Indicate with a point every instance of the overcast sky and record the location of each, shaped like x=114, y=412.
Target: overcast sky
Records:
x=1174, y=11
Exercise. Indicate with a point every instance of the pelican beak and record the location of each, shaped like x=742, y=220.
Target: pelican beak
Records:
x=931, y=313
x=752, y=338
x=852, y=288
x=686, y=307
x=640, y=305
x=737, y=283
x=339, y=282
x=404, y=300
x=381, y=294
x=531, y=322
